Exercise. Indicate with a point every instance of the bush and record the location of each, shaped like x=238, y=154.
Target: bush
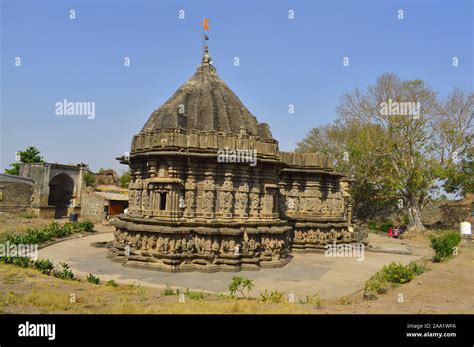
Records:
x=393, y=273
x=344, y=301
x=372, y=226
x=7, y=260
x=50, y=232
x=168, y=290
x=417, y=269
x=444, y=245
x=89, y=179
x=376, y=284
x=92, y=279
x=111, y=283
x=44, y=265
x=86, y=226
x=22, y=261
x=315, y=300
x=397, y=273
x=64, y=273
x=240, y=284
x=274, y=296
x=195, y=295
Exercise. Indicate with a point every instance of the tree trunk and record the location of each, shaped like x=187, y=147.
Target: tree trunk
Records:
x=414, y=218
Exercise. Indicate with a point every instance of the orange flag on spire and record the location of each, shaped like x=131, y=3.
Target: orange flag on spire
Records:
x=205, y=24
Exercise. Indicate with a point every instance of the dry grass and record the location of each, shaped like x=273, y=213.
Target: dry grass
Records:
x=26, y=290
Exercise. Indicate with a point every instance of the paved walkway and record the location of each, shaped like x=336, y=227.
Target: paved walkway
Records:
x=305, y=274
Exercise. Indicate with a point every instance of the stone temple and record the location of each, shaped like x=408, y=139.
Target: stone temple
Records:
x=211, y=191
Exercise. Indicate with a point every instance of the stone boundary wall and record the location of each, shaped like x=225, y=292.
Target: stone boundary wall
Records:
x=15, y=193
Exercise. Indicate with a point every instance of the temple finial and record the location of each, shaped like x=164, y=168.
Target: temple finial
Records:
x=206, y=58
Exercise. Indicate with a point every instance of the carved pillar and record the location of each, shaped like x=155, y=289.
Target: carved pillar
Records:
x=226, y=197
x=254, y=196
x=190, y=194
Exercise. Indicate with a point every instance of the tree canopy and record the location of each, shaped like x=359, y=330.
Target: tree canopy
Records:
x=401, y=143
x=29, y=155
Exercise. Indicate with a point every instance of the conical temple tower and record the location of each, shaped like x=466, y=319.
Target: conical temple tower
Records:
x=210, y=190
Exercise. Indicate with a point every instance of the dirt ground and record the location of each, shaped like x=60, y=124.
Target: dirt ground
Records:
x=445, y=288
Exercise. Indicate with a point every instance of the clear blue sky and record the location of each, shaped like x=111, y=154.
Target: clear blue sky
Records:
x=282, y=62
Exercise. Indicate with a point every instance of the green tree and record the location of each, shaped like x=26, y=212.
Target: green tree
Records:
x=460, y=178
x=29, y=155
x=398, y=159
x=125, y=179
x=89, y=179
x=350, y=145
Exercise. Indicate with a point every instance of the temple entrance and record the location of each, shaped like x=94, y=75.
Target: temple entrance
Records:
x=61, y=188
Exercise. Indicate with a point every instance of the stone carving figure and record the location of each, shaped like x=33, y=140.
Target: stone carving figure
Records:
x=146, y=200
x=138, y=200
x=254, y=201
x=160, y=245
x=241, y=202
x=208, y=202
x=208, y=246
x=226, y=201
x=189, y=200
x=215, y=247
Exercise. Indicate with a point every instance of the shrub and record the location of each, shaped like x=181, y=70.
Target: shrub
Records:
x=64, y=273
x=89, y=179
x=393, y=273
x=274, y=296
x=92, y=279
x=44, y=265
x=417, y=269
x=7, y=260
x=444, y=245
x=372, y=226
x=168, y=290
x=86, y=226
x=22, y=261
x=315, y=300
x=345, y=301
x=111, y=283
x=240, y=284
x=397, y=273
x=376, y=284
x=195, y=295
x=49, y=232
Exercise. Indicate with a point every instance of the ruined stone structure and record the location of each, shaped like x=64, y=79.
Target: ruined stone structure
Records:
x=193, y=203
x=54, y=187
x=102, y=202
x=15, y=193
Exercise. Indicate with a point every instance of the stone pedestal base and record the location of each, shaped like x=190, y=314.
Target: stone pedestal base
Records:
x=199, y=247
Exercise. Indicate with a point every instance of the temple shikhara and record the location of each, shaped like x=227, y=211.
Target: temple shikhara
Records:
x=191, y=208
